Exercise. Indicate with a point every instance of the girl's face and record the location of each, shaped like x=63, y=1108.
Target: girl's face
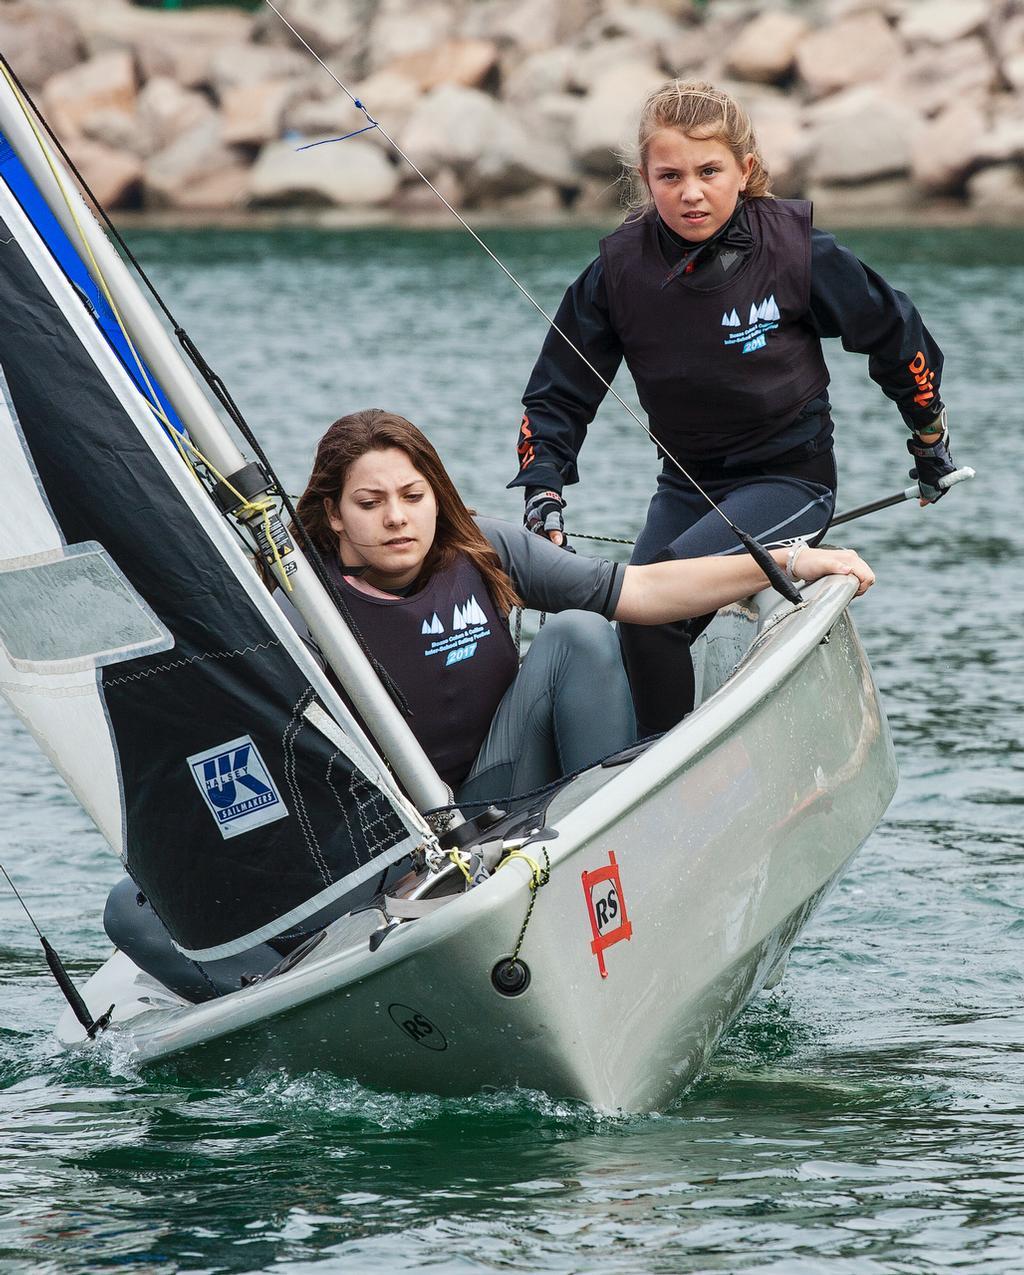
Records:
x=385, y=518
x=695, y=183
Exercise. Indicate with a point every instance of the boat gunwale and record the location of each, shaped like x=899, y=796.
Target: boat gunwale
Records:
x=775, y=655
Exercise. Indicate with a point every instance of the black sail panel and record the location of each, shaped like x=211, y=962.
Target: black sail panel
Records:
x=240, y=817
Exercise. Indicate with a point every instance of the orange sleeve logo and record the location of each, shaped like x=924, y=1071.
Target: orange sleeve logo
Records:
x=924, y=379
x=525, y=449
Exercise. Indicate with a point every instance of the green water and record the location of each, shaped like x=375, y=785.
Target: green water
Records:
x=865, y=1117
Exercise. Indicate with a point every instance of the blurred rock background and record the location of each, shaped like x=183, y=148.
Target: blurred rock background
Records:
x=873, y=108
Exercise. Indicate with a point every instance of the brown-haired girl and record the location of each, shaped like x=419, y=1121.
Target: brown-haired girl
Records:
x=718, y=295
x=431, y=587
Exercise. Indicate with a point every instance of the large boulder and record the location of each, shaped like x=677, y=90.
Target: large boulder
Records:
x=252, y=113
x=941, y=21
x=997, y=193
x=652, y=30
x=449, y=127
x=864, y=138
x=119, y=131
x=38, y=44
x=399, y=29
x=1013, y=72
x=934, y=75
x=113, y=176
x=606, y=125
x=1007, y=39
x=106, y=82
x=1005, y=140
x=766, y=47
x=416, y=197
x=468, y=63
x=388, y=97
x=785, y=144
x=529, y=25
x=198, y=172
x=328, y=26
x=237, y=65
x=346, y=174
x=855, y=50
x=178, y=44
x=591, y=66
x=483, y=142
x=537, y=205
x=693, y=53
x=165, y=111
x=539, y=74
x=892, y=200
x=600, y=197
x=553, y=116
x=951, y=147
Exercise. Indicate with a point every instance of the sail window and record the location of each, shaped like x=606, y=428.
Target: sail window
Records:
x=71, y=609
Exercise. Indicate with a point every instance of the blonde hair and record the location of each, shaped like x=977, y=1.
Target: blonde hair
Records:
x=699, y=110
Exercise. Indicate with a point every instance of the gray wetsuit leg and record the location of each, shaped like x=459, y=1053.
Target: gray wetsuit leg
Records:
x=568, y=707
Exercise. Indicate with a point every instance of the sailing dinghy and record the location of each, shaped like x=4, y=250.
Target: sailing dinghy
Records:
x=290, y=902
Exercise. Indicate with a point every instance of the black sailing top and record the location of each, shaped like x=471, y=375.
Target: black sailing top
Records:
x=447, y=647
x=844, y=299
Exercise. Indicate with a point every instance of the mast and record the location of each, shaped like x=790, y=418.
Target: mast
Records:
x=339, y=646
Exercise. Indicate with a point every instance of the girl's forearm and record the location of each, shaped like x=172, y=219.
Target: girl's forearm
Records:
x=687, y=587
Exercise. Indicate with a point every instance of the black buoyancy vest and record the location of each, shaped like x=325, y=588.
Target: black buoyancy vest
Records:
x=721, y=370
x=449, y=652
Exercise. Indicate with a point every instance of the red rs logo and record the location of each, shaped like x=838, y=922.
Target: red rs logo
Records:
x=607, y=909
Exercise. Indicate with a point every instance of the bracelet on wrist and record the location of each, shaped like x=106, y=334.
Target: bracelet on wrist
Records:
x=791, y=557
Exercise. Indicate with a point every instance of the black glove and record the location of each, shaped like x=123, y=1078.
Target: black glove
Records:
x=932, y=461
x=543, y=513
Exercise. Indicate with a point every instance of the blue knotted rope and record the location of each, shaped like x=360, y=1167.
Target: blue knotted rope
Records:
x=327, y=140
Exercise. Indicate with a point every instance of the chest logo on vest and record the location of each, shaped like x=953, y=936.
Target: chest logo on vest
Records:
x=469, y=625
x=763, y=318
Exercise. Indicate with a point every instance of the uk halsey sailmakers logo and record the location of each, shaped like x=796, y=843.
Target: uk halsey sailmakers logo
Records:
x=762, y=318
x=237, y=786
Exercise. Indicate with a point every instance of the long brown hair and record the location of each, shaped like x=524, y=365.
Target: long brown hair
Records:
x=699, y=110
x=376, y=430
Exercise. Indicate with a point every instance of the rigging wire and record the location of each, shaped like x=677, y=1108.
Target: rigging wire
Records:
x=186, y=447
x=63, y=979
x=212, y=379
x=761, y=555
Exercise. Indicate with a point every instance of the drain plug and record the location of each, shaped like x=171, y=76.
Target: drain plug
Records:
x=511, y=978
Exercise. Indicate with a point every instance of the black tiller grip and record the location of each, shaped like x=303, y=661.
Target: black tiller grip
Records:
x=776, y=575
x=71, y=992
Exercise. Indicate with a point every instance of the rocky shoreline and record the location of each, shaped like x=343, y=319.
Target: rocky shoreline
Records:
x=880, y=110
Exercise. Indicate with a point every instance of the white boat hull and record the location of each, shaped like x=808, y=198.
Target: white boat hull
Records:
x=726, y=835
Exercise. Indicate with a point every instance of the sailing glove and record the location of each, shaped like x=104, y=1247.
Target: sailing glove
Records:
x=932, y=461
x=543, y=514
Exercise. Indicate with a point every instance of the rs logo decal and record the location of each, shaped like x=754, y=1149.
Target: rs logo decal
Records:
x=607, y=908
x=417, y=1027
